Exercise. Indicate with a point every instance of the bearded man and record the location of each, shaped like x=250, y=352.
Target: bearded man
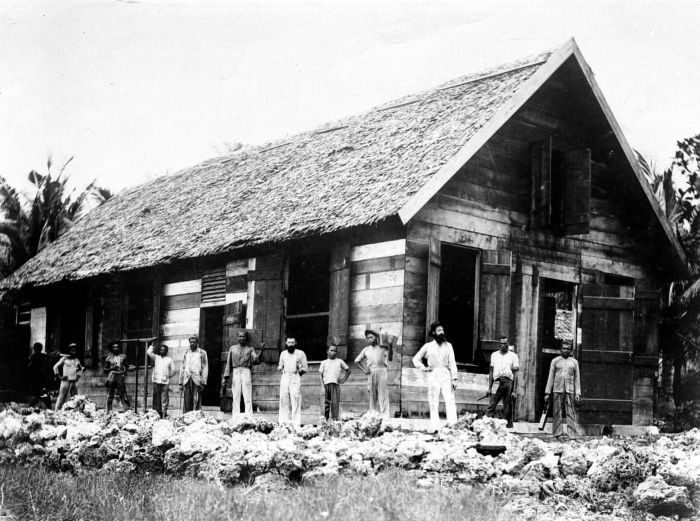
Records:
x=441, y=374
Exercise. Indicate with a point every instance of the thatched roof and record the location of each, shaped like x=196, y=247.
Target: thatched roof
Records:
x=353, y=172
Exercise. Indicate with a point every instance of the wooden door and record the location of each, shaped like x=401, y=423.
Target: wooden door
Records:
x=494, y=299
x=605, y=358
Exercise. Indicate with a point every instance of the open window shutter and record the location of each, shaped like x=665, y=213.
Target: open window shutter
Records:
x=268, y=301
x=433, y=299
x=339, y=298
x=541, y=184
x=494, y=298
x=576, y=215
x=605, y=360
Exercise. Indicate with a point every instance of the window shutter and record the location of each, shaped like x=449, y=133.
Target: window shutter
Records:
x=607, y=332
x=494, y=301
x=541, y=184
x=433, y=299
x=214, y=287
x=268, y=299
x=339, y=306
x=576, y=215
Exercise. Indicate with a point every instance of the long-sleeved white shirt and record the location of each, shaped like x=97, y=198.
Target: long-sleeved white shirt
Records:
x=438, y=355
x=163, y=368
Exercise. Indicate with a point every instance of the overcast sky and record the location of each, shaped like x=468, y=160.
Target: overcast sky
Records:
x=136, y=90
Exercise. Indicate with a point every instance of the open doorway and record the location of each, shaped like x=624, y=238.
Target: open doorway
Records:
x=457, y=309
x=212, y=342
x=556, y=323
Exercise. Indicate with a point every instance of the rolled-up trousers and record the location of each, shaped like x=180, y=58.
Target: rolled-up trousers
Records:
x=378, y=391
x=161, y=398
x=290, y=399
x=567, y=401
x=505, y=393
x=242, y=384
x=439, y=379
x=118, y=386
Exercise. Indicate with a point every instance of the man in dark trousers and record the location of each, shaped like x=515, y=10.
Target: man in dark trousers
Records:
x=115, y=369
x=503, y=369
x=38, y=372
x=565, y=383
x=193, y=375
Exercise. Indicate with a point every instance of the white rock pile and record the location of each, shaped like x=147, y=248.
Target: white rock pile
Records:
x=594, y=479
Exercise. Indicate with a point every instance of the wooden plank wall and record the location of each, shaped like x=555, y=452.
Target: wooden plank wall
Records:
x=486, y=205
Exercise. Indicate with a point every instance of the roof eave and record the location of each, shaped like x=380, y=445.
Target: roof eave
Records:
x=456, y=162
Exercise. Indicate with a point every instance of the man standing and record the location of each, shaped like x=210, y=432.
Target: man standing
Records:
x=163, y=370
x=115, y=367
x=292, y=365
x=441, y=372
x=376, y=364
x=37, y=369
x=193, y=375
x=72, y=369
x=504, y=369
x=565, y=382
x=241, y=359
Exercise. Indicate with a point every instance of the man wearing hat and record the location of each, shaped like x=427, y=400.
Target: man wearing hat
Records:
x=375, y=368
x=193, y=375
x=72, y=370
x=441, y=374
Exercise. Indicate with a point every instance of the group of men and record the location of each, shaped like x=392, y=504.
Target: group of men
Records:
x=436, y=359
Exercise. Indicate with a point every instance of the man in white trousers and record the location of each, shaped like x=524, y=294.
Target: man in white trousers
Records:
x=240, y=360
x=292, y=365
x=441, y=374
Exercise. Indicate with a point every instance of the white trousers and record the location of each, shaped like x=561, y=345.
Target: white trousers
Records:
x=439, y=379
x=290, y=399
x=241, y=383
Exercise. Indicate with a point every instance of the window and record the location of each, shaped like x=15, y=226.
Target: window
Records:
x=308, y=297
x=560, y=189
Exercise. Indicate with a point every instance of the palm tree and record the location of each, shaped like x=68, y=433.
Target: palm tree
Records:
x=31, y=223
x=679, y=328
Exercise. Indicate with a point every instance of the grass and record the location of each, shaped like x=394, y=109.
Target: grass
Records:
x=37, y=495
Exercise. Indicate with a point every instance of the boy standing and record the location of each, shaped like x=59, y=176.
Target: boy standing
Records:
x=163, y=370
x=330, y=372
x=72, y=369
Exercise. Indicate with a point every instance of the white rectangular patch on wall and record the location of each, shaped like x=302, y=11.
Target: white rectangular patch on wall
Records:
x=378, y=250
x=37, y=327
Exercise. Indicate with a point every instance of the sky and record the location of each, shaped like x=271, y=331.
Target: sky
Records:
x=134, y=90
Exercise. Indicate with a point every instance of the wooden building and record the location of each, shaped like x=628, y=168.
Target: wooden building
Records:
x=506, y=202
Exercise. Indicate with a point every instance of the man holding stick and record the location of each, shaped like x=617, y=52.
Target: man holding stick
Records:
x=193, y=375
x=163, y=370
x=504, y=369
x=115, y=367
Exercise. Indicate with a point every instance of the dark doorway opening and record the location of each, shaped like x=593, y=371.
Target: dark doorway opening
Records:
x=457, y=309
x=212, y=341
x=308, y=304
x=556, y=323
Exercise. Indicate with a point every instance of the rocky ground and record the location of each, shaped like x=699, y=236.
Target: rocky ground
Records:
x=593, y=479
